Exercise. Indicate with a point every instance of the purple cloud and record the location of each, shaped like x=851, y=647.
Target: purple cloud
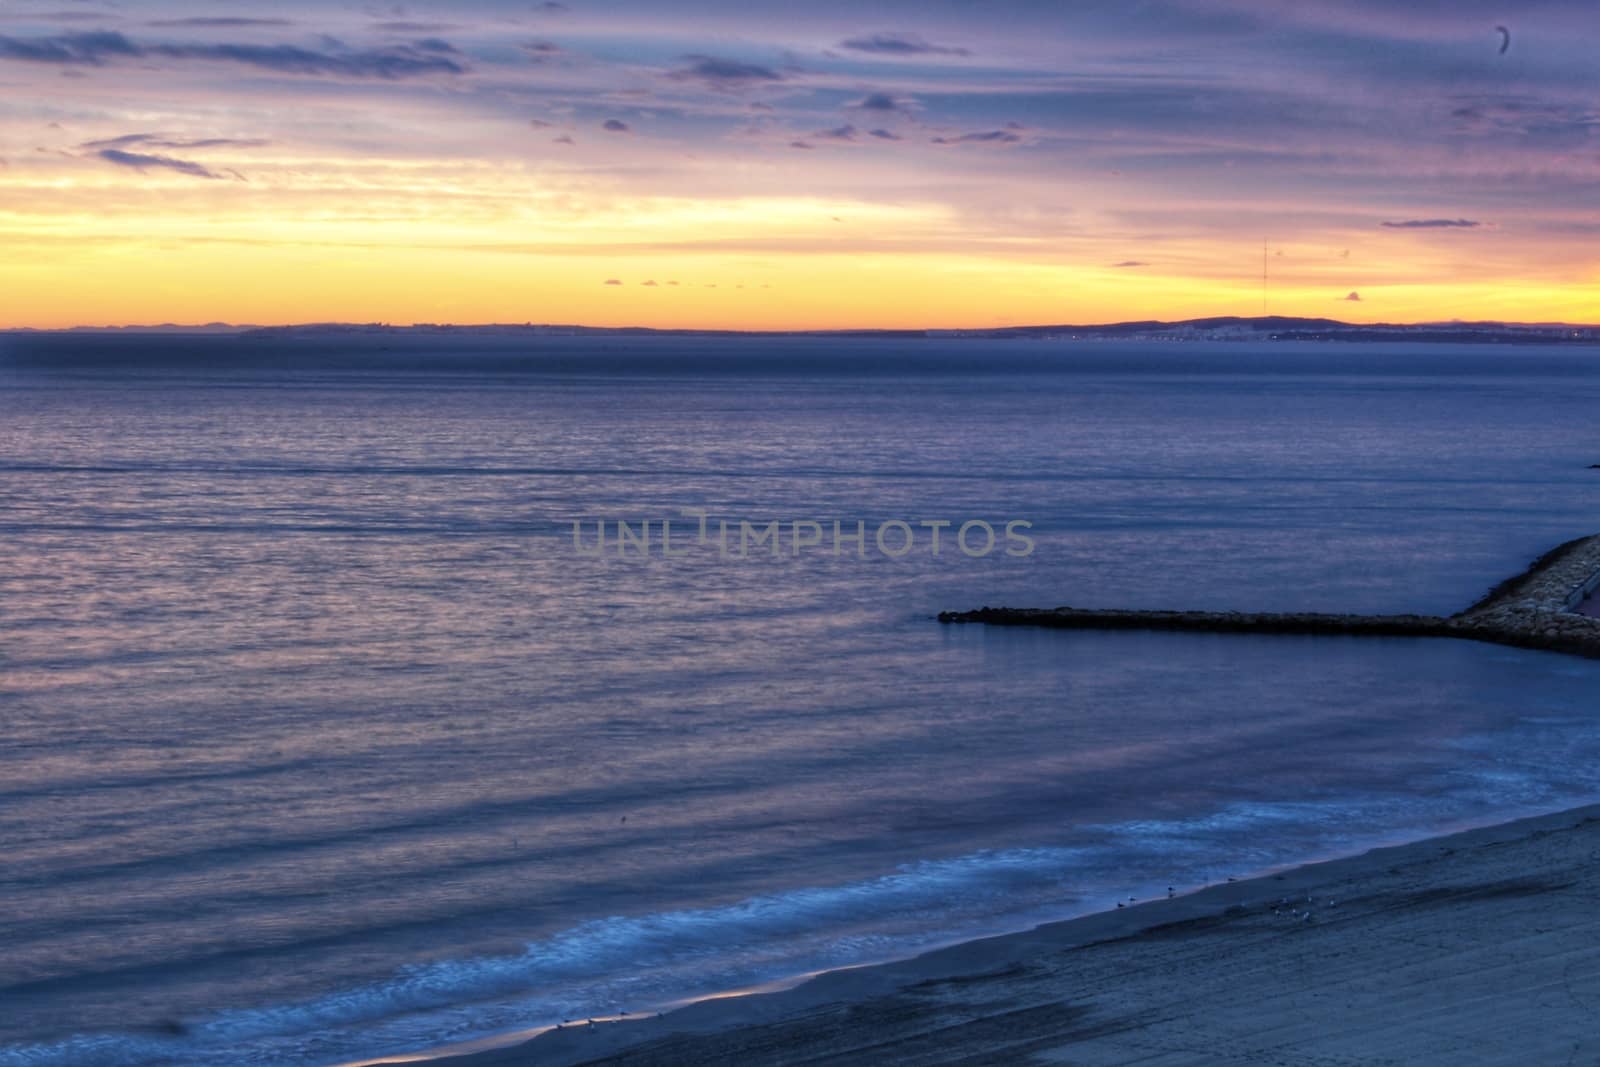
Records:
x=222, y=22
x=1354, y=297
x=157, y=140
x=883, y=102
x=87, y=49
x=1131, y=263
x=539, y=51
x=1434, y=224
x=94, y=49
x=838, y=133
x=59, y=16
x=985, y=137
x=415, y=27
x=900, y=44
x=614, y=126
x=724, y=75
x=141, y=162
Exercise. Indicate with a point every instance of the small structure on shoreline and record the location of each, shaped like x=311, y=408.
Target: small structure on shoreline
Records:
x=1536, y=609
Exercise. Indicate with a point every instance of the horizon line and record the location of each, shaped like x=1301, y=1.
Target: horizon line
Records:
x=219, y=326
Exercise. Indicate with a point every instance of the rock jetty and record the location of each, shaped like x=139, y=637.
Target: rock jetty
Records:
x=1533, y=610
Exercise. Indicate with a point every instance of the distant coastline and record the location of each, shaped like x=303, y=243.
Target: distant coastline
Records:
x=1216, y=328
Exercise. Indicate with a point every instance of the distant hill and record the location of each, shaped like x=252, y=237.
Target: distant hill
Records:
x=1214, y=328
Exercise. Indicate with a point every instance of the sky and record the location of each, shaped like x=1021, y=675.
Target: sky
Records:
x=817, y=164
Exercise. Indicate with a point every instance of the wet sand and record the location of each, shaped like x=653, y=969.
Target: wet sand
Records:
x=1481, y=947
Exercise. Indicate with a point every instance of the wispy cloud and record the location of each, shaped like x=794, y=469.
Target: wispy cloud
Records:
x=1433, y=224
x=1131, y=263
x=96, y=48
x=141, y=162
x=883, y=102
x=724, y=74
x=59, y=16
x=900, y=44
x=982, y=137
x=157, y=140
x=223, y=22
x=89, y=49
x=415, y=27
x=846, y=134
x=540, y=51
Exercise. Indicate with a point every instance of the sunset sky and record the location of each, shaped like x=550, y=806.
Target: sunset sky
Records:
x=822, y=164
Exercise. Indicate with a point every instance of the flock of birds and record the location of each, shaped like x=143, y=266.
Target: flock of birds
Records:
x=1298, y=909
x=1287, y=906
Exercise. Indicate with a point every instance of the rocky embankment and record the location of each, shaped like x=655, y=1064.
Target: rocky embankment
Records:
x=1532, y=610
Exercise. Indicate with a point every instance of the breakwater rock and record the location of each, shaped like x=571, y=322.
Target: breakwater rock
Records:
x=1532, y=610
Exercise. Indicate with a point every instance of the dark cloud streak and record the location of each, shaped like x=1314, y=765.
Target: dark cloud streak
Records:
x=142, y=162
x=1433, y=224
x=984, y=137
x=157, y=140
x=96, y=48
x=724, y=75
x=900, y=44
x=219, y=23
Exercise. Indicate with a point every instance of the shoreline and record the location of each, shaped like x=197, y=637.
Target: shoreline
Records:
x=1159, y=973
x=1540, y=608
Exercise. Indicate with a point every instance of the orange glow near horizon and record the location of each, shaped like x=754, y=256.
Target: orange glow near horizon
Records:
x=147, y=282
x=172, y=254
x=281, y=256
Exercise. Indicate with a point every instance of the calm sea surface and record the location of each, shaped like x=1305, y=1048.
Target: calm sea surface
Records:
x=322, y=738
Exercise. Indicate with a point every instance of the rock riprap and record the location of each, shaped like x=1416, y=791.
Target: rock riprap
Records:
x=1532, y=610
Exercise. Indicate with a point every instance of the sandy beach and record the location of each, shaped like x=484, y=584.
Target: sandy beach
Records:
x=1480, y=947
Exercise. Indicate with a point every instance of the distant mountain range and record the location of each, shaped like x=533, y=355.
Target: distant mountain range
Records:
x=1217, y=328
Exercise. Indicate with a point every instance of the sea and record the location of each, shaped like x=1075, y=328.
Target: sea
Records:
x=352, y=705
